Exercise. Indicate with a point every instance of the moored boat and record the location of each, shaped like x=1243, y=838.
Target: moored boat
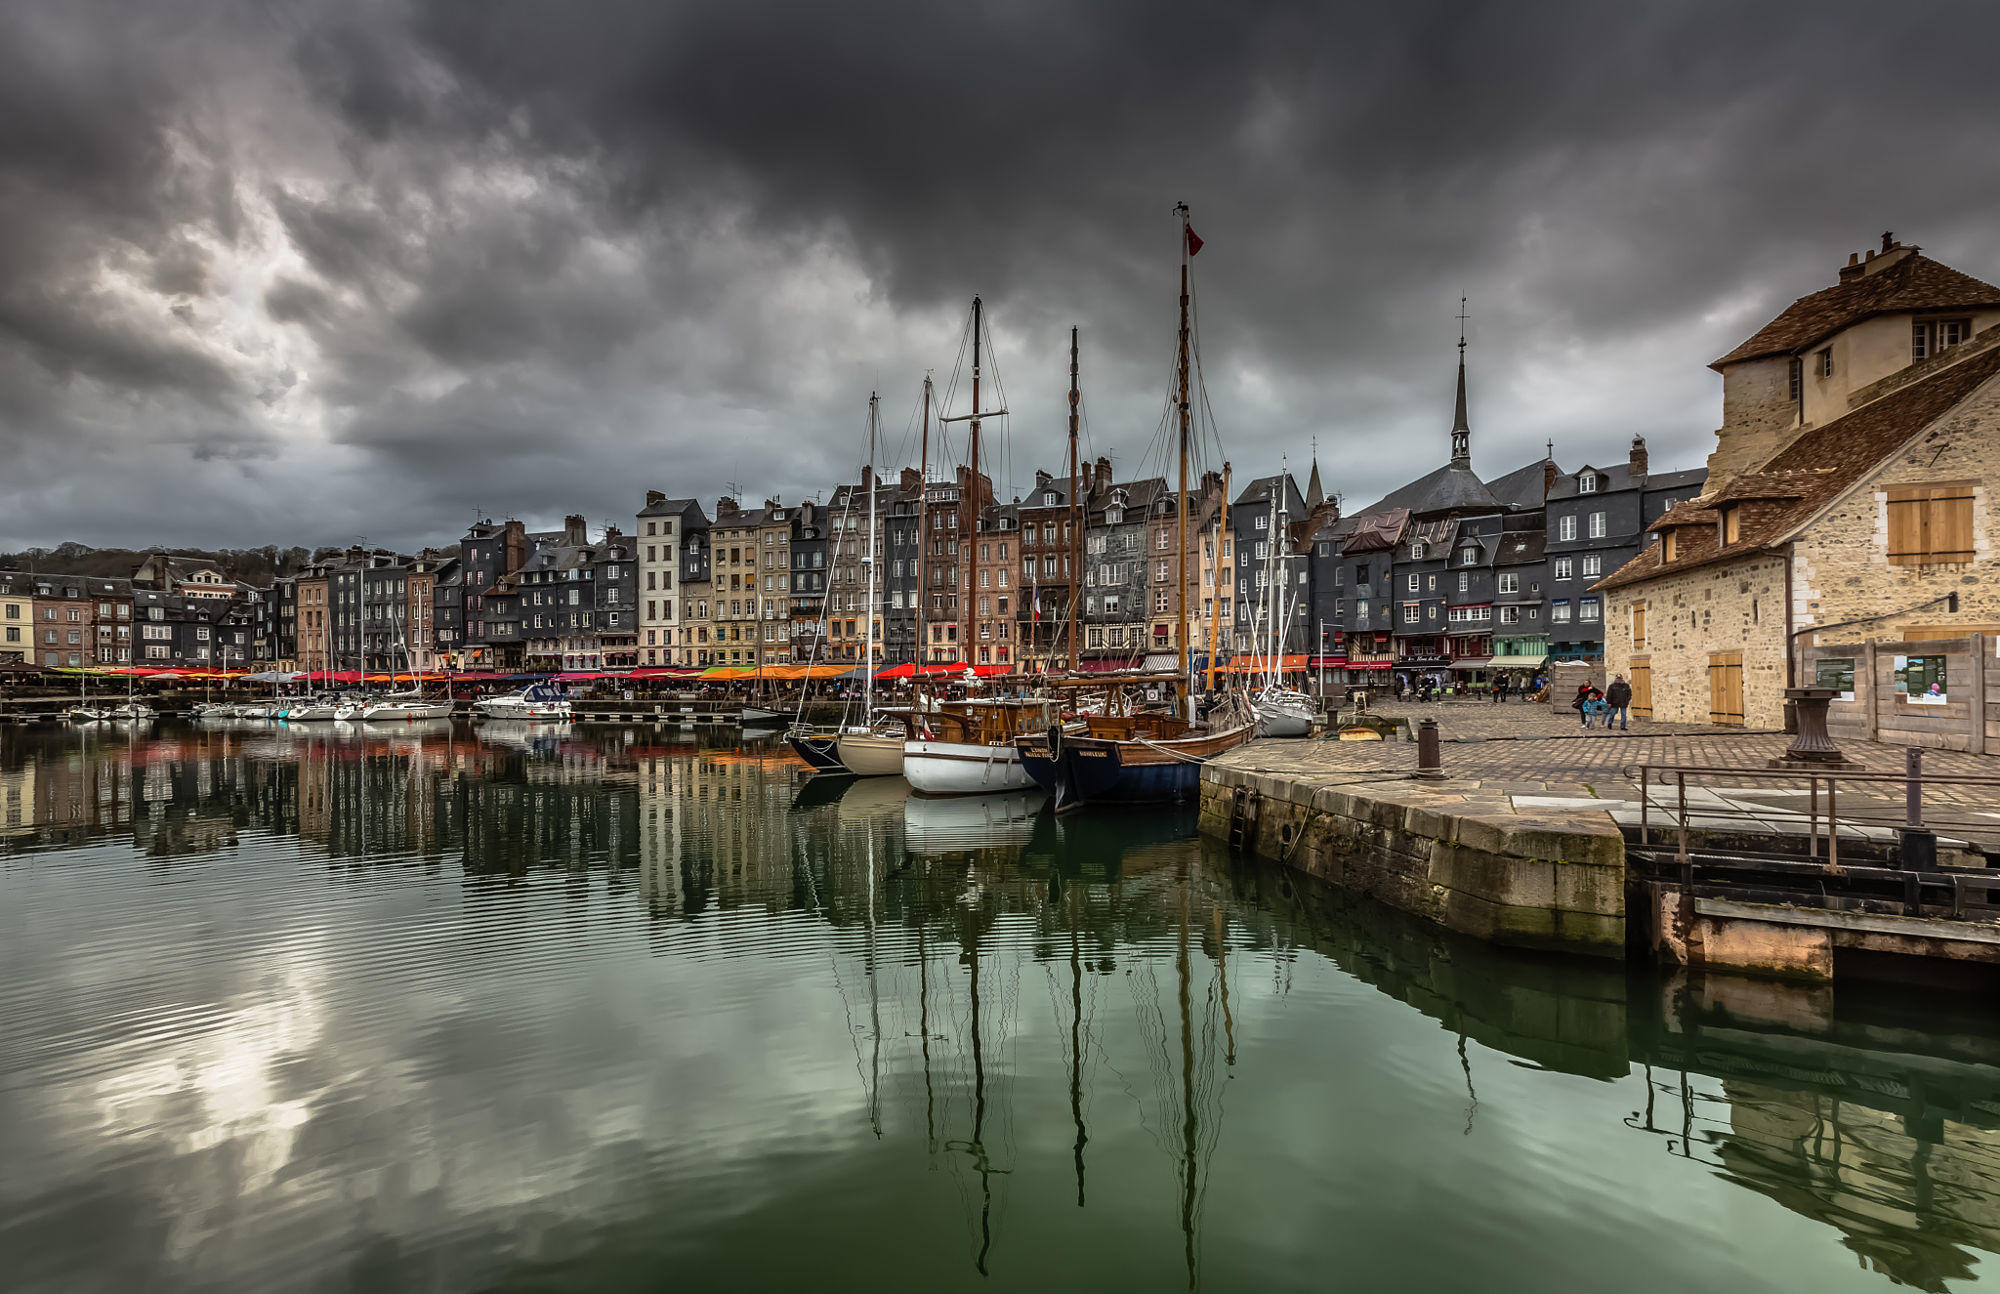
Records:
x=817, y=749
x=538, y=702
x=968, y=748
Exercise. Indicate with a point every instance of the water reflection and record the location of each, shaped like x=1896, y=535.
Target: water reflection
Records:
x=568, y=1008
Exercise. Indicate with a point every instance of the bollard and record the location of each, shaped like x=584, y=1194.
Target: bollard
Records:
x=1430, y=763
x=1919, y=852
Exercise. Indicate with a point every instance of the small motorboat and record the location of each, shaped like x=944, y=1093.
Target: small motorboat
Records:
x=87, y=714
x=537, y=702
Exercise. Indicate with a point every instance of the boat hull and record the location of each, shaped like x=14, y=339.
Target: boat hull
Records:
x=405, y=711
x=1283, y=721
x=529, y=711
x=818, y=751
x=1105, y=770
x=751, y=714
x=870, y=754
x=963, y=768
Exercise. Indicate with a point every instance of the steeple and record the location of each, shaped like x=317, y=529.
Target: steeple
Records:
x=1461, y=429
x=1314, y=494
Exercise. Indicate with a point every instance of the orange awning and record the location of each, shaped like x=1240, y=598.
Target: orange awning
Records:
x=1257, y=664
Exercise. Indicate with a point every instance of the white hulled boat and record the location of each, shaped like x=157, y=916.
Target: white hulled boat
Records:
x=537, y=702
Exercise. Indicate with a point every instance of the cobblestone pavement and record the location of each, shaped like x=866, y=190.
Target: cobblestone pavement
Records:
x=1522, y=749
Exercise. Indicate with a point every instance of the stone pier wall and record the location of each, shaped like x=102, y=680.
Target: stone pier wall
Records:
x=1469, y=863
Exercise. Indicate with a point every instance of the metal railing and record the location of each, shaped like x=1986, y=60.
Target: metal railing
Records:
x=1905, y=829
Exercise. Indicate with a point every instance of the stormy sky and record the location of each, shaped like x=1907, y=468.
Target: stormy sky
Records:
x=299, y=273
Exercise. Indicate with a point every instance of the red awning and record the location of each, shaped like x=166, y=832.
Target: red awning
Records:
x=1329, y=662
x=904, y=670
x=1369, y=664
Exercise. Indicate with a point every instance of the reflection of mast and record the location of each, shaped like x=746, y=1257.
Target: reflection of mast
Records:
x=874, y=1003
x=1190, y=1130
x=924, y=1038
x=1076, y=1052
x=978, y=1144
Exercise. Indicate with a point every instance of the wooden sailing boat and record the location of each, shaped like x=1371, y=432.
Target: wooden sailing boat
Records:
x=1139, y=757
x=968, y=748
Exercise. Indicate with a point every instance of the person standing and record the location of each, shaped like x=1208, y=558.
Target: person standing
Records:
x=1617, y=701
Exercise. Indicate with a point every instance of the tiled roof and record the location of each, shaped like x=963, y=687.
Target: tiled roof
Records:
x=1915, y=283
x=1447, y=489
x=1811, y=472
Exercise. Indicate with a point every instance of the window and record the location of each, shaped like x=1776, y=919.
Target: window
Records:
x=1826, y=362
x=1586, y=483
x=1639, y=625
x=1510, y=615
x=1670, y=546
x=1559, y=611
x=1431, y=582
x=1412, y=582
x=1732, y=524
x=1589, y=609
x=1593, y=566
x=1464, y=582
x=1510, y=583
x=1417, y=550
x=1795, y=377
x=1566, y=528
x=1339, y=576
x=1836, y=672
x=1929, y=525
x=1597, y=525
x=1409, y=613
x=1564, y=567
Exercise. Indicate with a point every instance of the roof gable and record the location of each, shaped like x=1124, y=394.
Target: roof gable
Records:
x=1915, y=283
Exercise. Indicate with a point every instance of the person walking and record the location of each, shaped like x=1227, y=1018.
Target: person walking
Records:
x=1581, y=704
x=1617, y=701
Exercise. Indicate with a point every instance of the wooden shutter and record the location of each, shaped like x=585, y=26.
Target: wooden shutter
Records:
x=1642, y=687
x=1930, y=525
x=1638, y=625
x=1725, y=688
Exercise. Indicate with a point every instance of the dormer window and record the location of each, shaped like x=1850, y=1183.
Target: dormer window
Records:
x=1418, y=549
x=1049, y=499
x=1929, y=336
x=1587, y=483
x=1670, y=546
x=1732, y=524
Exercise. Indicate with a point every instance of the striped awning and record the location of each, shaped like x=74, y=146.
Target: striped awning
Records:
x=1518, y=662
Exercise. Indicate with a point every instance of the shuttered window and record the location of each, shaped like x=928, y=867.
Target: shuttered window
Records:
x=1930, y=525
x=1638, y=627
x=1725, y=688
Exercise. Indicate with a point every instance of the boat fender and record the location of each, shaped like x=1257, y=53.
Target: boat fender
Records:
x=1055, y=741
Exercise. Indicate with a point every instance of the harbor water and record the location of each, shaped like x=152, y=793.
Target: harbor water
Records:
x=453, y=1008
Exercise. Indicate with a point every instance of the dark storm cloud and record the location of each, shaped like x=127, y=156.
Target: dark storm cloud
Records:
x=394, y=262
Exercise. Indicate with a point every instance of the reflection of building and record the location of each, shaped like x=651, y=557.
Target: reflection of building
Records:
x=17, y=801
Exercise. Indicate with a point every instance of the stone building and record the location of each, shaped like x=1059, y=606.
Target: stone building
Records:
x=17, y=618
x=662, y=527
x=1851, y=491
x=1596, y=520
x=994, y=592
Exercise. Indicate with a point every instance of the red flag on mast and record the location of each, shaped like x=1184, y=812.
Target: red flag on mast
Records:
x=1193, y=241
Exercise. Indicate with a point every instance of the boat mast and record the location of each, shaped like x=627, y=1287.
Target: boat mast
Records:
x=923, y=521
x=968, y=503
x=969, y=532
x=1222, y=569
x=1075, y=527
x=868, y=651
x=1180, y=583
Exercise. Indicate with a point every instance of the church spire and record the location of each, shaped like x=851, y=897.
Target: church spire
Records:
x=1315, y=495
x=1461, y=429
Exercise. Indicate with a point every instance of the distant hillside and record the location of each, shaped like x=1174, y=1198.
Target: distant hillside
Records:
x=252, y=565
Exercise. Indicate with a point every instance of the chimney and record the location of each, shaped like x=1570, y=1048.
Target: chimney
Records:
x=573, y=530
x=1042, y=479
x=725, y=507
x=1548, y=476
x=1638, y=465
x=1103, y=474
x=912, y=478
x=653, y=497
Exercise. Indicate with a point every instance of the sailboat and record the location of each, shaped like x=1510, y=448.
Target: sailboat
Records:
x=1140, y=757
x=868, y=752
x=406, y=706
x=133, y=708
x=1281, y=711
x=971, y=750
x=83, y=711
